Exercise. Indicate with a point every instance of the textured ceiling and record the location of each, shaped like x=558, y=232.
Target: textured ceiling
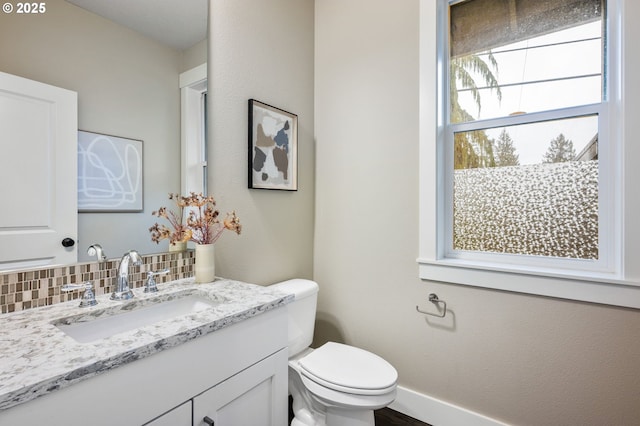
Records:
x=176, y=23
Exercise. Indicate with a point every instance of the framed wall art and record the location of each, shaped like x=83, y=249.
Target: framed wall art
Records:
x=273, y=147
x=109, y=173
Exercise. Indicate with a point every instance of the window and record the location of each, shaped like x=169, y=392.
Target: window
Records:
x=522, y=187
x=193, y=88
x=525, y=108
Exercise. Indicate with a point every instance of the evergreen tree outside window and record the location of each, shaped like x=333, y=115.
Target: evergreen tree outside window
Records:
x=505, y=151
x=533, y=207
x=560, y=151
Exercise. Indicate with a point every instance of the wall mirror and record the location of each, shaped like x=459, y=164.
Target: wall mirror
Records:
x=124, y=60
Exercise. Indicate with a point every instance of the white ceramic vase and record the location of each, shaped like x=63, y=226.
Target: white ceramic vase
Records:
x=205, y=266
x=179, y=246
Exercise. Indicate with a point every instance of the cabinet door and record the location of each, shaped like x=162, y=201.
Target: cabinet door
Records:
x=256, y=396
x=179, y=416
x=38, y=173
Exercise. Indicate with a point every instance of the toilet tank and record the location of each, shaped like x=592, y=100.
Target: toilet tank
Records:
x=301, y=312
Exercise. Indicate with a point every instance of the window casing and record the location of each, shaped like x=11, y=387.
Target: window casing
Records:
x=193, y=88
x=567, y=277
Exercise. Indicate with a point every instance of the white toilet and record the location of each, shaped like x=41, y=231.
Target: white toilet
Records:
x=335, y=384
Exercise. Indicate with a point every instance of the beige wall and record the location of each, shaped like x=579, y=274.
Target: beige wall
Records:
x=194, y=56
x=127, y=86
x=519, y=359
x=261, y=50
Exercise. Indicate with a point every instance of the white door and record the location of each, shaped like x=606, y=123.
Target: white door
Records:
x=38, y=169
x=256, y=396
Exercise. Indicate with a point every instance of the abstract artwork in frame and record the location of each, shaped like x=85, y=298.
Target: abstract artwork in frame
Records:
x=109, y=173
x=273, y=147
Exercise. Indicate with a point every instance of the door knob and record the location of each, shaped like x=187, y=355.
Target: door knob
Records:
x=68, y=242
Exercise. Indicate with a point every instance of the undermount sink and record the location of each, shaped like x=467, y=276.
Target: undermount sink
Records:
x=100, y=324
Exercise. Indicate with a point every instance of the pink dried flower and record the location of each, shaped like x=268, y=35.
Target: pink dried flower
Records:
x=202, y=223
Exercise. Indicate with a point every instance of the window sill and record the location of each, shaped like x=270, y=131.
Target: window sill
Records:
x=592, y=288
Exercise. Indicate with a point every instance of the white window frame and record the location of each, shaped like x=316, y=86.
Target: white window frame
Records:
x=193, y=87
x=615, y=277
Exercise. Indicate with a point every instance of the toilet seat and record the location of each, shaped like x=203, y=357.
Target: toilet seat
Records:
x=348, y=369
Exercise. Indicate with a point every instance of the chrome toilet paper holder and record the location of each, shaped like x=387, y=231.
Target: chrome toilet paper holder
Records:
x=440, y=304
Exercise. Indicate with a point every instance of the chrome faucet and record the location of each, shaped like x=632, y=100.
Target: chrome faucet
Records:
x=122, y=291
x=96, y=250
x=88, y=296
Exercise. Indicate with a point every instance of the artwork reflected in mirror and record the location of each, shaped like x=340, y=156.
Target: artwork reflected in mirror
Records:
x=109, y=173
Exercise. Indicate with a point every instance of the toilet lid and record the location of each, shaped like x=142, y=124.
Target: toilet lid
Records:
x=342, y=366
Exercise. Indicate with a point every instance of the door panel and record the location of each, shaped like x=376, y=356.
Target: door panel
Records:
x=256, y=396
x=38, y=169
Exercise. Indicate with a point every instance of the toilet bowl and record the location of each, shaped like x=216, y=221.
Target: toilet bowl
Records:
x=335, y=384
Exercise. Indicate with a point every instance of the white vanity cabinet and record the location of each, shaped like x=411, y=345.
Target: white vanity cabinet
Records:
x=236, y=375
x=179, y=416
x=252, y=397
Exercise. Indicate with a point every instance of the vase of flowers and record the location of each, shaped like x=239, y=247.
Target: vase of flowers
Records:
x=205, y=267
x=202, y=226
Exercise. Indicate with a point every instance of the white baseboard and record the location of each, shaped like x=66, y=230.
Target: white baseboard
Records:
x=436, y=412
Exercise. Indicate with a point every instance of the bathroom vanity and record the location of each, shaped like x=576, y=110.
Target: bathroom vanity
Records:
x=218, y=354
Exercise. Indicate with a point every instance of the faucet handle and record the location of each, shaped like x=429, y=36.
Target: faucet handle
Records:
x=151, y=286
x=96, y=250
x=88, y=297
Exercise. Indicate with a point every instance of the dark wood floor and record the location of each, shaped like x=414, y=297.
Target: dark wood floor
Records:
x=389, y=417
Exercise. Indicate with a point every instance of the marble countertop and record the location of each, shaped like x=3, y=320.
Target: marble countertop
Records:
x=37, y=358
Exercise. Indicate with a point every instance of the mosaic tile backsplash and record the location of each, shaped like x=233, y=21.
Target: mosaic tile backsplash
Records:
x=41, y=287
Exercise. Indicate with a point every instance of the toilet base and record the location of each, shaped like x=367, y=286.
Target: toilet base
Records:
x=339, y=417
x=332, y=417
x=308, y=413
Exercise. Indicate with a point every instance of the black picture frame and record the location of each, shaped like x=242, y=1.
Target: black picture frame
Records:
x=272, y=148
